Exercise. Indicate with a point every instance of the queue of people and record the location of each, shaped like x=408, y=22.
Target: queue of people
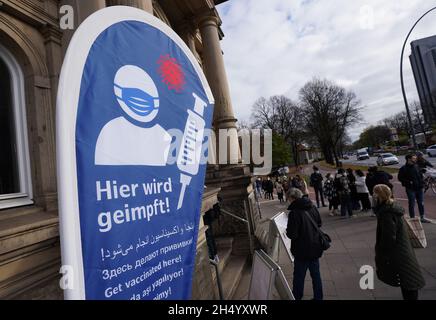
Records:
x=395, y=259
x=265, y=187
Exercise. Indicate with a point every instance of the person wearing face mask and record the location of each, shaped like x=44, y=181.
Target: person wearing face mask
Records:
x=395, y=260
x=138, y=99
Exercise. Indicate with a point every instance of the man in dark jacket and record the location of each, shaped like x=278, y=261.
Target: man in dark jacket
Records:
x=316, y=182
x=411, y=178
x=381, y=177
x=305, y=244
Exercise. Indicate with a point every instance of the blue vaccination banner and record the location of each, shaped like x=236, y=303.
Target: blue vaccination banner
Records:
x=142, y=116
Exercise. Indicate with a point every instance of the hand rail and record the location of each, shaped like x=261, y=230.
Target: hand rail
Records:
x=218, y=278
x=234, y=216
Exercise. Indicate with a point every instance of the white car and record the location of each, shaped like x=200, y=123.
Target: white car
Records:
x=431, y=151
x=387, y=159
x=362, y=155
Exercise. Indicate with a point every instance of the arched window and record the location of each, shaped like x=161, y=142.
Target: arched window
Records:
x=15, y=180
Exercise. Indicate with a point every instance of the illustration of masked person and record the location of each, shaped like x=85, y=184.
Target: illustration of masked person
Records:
x=121, y=142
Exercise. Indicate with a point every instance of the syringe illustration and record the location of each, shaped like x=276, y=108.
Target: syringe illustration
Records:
x=188, y=160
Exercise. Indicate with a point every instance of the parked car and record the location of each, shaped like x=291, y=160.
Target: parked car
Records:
x=431, y=150
x=387, y=159
x=345, y=157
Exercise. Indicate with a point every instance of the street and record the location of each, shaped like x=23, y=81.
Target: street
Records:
x=373, y=161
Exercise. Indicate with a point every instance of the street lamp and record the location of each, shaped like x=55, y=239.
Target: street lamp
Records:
x=402, y=80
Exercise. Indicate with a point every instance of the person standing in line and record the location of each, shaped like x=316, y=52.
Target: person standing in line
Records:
x=422, y=162
x=369, y=181
x=411, y=179
x=331, y=194
x=305, y=244
x=382, y=177
x=362, y=190
x=316, y=182
x=353, y=189
x=264, y=187
x=286, y=188
x=279, y=189
x=395, y=260
x=259, y=187
x=343, y=187
x=301, y=184
x=270, y=189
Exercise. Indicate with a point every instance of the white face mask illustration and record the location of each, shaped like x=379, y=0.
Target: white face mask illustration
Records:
x=136, y=93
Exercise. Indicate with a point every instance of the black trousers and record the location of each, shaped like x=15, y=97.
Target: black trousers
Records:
x=334, y=203
x=364, y=199
x=409, y=294
x=318, y=194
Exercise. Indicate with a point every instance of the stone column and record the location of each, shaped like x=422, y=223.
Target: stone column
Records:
x=146, y=5
x=215, y=71
x=233, y=178
x=213, y=65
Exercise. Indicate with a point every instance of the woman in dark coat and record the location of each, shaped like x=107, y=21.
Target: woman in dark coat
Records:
x=395, y=258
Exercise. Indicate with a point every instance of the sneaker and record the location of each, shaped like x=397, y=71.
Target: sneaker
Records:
x=425, y=220
x=331, y=214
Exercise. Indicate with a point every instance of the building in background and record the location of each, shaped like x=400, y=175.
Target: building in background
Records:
x=32, y=46
x=423, y=61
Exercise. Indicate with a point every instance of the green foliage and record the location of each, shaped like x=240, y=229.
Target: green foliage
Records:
x=403, y=140
x=281, y=152
x=373, y=136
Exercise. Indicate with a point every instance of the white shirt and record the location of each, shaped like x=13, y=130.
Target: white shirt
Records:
x=361, y=185
x=120, y=142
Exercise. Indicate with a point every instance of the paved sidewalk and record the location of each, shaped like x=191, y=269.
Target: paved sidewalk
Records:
x=352, y=247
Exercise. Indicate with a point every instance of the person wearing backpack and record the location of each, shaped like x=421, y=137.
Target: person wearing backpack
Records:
x=316, y=182
x=343, y=187
x=306, y=246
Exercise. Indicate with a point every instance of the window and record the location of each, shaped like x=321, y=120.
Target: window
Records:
x=15, y=182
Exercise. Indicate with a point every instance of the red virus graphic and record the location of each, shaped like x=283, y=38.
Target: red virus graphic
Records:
x=171, y=73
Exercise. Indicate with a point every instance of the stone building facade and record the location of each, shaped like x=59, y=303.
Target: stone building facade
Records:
x=32, y=46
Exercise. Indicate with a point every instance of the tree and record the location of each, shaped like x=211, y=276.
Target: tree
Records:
x=281, y=154
x=328, y=111
x=283, y=116
x=374, y=136
x=399, y=122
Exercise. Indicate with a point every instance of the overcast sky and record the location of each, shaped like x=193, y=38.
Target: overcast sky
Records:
x=275, y=46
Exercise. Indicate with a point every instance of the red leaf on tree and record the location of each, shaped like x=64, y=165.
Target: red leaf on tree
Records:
x=171, y=73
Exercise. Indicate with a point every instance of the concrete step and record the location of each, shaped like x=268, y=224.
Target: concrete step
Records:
x=242, y=290
x=224, y=242
x=224, y=256
x=232, y=274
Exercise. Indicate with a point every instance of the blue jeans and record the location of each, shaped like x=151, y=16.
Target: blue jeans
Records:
x=417, y=195
x=300, y=269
